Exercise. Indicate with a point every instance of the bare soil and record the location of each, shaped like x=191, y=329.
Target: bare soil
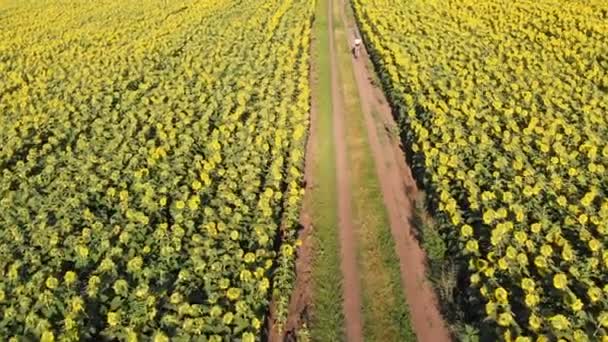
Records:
x=399, y=190
x=302, y=294
x=348, y=246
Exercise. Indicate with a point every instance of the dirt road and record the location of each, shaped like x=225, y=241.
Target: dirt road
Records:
x=371, y=112
x=348, y=244
x=398, y=188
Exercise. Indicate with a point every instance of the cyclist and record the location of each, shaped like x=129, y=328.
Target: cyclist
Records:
x=357, y=47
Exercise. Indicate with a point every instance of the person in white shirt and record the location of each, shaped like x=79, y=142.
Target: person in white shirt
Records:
x=357, y=47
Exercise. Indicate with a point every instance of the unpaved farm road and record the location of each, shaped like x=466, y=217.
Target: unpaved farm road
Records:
x=348, y=245
x=398, y=189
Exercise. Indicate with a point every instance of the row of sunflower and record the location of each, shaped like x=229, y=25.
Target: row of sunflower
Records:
x=503, y=105
x=151, y=159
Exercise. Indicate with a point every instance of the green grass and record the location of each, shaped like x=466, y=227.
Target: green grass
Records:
x=327, y=316
x=385, y=313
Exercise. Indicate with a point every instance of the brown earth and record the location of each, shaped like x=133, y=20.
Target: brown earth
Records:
x=302, y=296
x=399, y=190
x=348, y=247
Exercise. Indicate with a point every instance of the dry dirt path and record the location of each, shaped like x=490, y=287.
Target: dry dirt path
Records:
x=348, y=245
x=398, y=189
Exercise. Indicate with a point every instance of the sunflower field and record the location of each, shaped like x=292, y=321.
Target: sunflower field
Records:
x=504, y=106
x=151, y=159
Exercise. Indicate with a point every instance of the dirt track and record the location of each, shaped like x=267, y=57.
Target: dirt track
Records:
x=348, y=245
x=398, y=189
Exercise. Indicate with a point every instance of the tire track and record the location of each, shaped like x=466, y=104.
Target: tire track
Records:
x=348, y=245
x=398, y=188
